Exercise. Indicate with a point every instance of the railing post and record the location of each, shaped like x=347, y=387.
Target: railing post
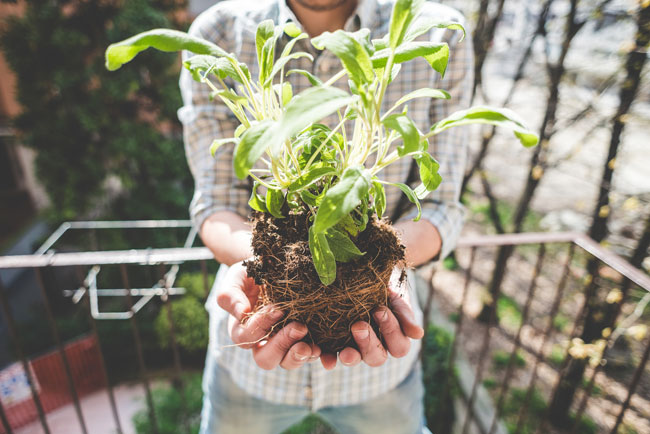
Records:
x=60, y=347
x=138, y=346
x=13, y=335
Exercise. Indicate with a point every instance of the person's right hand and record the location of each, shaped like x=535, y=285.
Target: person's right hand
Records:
x=238, y=295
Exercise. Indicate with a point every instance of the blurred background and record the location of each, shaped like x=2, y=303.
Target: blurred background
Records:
x=538, y=322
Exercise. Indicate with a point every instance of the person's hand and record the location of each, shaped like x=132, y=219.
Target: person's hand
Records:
x=238, y=295
x=397, y=325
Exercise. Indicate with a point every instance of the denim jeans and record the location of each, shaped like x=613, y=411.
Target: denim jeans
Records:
x=228, y=409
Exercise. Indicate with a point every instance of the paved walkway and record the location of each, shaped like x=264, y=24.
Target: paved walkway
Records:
x=97, y=413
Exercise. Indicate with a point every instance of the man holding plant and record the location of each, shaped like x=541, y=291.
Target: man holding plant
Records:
x=377, y=387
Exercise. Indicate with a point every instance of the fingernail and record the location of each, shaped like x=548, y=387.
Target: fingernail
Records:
x=275, y=314
x=381, y=315
x=362, y=334
x=301, y=357
x=294, y=333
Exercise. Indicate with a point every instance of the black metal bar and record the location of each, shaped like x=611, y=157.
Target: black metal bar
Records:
x=559, y=292
x=140, y=355
x=13, y=335
x=5, y=421
x=632, y=388
x=565, y=362
x=524, y=318
x=482, y=358
x=459, y=324
x=178, y=370
x=59, y=344
x=102, y=361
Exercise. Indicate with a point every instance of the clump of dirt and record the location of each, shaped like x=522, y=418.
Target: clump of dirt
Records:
x=284, y=268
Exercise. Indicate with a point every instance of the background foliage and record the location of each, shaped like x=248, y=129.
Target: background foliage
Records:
x=87, y=127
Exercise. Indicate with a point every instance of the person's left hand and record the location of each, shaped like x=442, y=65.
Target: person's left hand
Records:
x=397, y=325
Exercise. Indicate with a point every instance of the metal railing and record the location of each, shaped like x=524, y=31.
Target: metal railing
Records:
x=540, y=328
x=565, y=250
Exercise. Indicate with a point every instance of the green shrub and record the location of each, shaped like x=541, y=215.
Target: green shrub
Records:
x=190, y=324
x=508, y=312
x=175, y=410
x=439, y=386
x=501, y=358
x=194, y=285
x=87, y=128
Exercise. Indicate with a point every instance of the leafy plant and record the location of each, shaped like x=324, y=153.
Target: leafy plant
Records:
x=176, y=411
x=305, y=166
x=89, y=128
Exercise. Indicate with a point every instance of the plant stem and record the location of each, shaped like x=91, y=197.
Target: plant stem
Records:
x=335, y=77
x=264, y=183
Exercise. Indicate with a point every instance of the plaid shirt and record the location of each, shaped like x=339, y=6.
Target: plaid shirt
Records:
x=231, y=25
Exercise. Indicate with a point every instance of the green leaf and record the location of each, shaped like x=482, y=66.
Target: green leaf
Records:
x=352, y=54
x=256, y=201
x=292, y=30
x=265, y=41
x=310, y=106
x=307, y=107
x=342, y=246
x=309, y=198
x=313, y=80
x=274, y=202
x=500, y=117
x=286, y=93
x=379, y=193
x=161, y=39
x=311, y=177
x=216, y=144
x=407, y=129
x=411, y=195
x=283, y=61
x=422, y=93
x=347, y=223
x=422, y=26
x=429, y=167
x=436, y=54
x=220, y=66
x=322, y=255
x=403, y=13
x=287, y=48
x=264, y=31
x=250, y=147
x=342, y=198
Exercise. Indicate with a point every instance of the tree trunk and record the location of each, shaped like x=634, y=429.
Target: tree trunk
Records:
x=600, y=315
x=538, y=159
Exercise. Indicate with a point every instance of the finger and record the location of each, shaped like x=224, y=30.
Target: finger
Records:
x=270, y=354
x=371, y=349
x=315, y=353
x=297, y=355
x=397, y=343
x=328, y=360
x=236, y=292
x=257, y=327
x=404, y=314
x=349, y=356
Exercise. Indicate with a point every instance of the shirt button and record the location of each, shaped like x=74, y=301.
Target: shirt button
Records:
x=308, y=393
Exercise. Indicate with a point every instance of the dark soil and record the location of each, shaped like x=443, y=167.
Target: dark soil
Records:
x=284, y=268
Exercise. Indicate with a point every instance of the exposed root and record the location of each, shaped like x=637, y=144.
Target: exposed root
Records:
x=283, y=266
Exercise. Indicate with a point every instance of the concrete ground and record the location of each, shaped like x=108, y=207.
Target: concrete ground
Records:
x=97, y=413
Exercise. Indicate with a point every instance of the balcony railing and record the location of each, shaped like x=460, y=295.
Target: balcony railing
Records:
x=559, y=288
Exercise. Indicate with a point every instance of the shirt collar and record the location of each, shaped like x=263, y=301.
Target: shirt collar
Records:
x=367, y=13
